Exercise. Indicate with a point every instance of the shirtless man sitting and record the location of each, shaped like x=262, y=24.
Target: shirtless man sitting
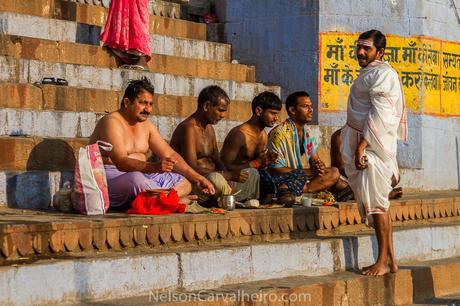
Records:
x=132, y=136
x=294, y=141
x=245, y=147
x=195, y=139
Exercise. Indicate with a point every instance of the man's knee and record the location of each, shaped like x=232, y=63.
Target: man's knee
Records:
x=219, y=182
x=334, y=174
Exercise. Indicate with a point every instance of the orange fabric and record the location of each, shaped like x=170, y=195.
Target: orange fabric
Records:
x=146, y=204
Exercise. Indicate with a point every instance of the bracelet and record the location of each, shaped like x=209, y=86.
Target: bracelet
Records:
x=254, y=164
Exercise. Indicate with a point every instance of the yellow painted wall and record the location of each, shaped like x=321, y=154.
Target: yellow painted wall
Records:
x=429, y=69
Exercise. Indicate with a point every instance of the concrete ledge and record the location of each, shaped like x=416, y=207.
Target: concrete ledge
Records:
x=119, y=276
x=20, y=47
x=97, y=16
x=73, y=32
x=55, y=233
x=32, y=71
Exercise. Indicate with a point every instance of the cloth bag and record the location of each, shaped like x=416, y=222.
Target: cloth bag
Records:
x=90, y=195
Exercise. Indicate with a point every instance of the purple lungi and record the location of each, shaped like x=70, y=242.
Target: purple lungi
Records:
x=125, y=186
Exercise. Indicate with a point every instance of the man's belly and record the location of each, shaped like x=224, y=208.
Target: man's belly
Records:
x=139, y=156
x=206, y=163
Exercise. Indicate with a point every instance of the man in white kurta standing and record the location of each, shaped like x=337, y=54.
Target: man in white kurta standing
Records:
x=376, y=119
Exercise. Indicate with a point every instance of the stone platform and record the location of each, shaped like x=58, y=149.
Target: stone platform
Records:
x=70, y=258
x=29, y=233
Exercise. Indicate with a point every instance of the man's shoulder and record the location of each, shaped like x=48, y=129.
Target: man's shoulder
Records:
x=385, y=70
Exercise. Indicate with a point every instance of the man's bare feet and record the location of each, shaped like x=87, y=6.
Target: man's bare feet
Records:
x=393, y=268
x=396, y=193
x=188, y=199
x=376, y=269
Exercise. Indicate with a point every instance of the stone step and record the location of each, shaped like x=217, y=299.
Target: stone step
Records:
x=407, y=286
x=29, y=123
x=78, y=275
x=20, y=47
x=75, y=99
x=93, y=15
x=69, y=31
x=32, y=71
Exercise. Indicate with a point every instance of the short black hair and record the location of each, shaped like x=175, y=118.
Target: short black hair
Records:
x=212, y=94
x=266, y=100
x=291, y=100
x=135, y=87
x=380, y=41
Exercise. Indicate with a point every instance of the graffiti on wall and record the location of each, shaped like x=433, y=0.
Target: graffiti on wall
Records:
x=429, y=71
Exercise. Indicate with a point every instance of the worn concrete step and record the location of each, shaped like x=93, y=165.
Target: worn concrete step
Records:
x=68, y=31
x=79, y=276
x=56, y=153
x=31, y=71
x=93, y=15
x=168, y=9
x=18, y=122
x=75, y=99
x=20, y=47
x=343, y=288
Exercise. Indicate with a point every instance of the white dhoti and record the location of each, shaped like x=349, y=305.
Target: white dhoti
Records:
x=376, y=112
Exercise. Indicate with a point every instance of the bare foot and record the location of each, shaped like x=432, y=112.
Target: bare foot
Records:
x=188, y=199
x=396, y=193
x=393, y=268
x=377, y=269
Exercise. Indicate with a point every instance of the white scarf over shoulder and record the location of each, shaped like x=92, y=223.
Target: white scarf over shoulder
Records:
x=376, y=111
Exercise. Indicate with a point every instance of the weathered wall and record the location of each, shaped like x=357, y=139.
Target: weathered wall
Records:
x=429, y=160
x=279, y=37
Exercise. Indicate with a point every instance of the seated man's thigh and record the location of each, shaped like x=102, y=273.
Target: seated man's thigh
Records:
x=250, y=188
x=220, y=185
x=126, y=187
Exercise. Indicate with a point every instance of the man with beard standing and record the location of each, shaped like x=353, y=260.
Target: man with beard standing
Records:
x=376, y=119
x=132, y=136
x=245, y=147
x=195, y=140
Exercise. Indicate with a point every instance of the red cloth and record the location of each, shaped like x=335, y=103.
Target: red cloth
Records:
x=127, y=26
x=146, y=204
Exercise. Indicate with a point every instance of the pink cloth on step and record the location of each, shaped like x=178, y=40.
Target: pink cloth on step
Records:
x=127, y=27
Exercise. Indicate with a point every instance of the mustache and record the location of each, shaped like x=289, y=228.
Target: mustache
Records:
x=145, y=113
x=362, y=57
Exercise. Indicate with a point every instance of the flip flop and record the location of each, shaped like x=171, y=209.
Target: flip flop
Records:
x=132, y=67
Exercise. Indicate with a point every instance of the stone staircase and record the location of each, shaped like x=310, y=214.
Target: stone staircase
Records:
x=42, y=126
x=47, y=257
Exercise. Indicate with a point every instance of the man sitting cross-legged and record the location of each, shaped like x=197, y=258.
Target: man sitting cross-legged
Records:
x=291, y=141
x=195, y=140
x=245, y=147
x=132, y=135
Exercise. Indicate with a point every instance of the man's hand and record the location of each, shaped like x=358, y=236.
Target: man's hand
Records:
x=360, y=159
x=164, y=165
x=239, y=176
x=319, y=167
x=265, y=158
x=205, y=186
